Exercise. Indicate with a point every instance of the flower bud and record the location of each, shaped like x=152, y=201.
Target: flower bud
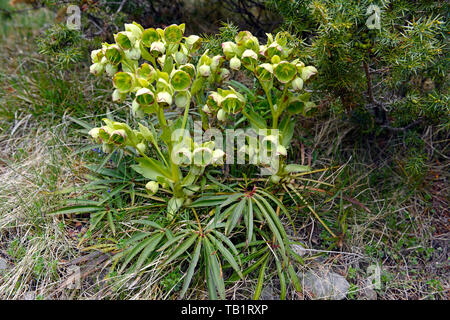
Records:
x=221, y=115
x=205, y=70
x=145, y=97
x=152, y=187
x=224, y=74
x=235, y=63
x=297, y=84
x=125, y=40
x=281, y=150
x=249, y=56
x=94, y=133
x=114, y=54
x=308, y=72
x=97, y=69
x=206, y=109
x=193, y=42
x=216, y=63
x=164, y=98
x=180, y=58
x=96, y=55
x=182, y=99
x=133, y=54
x=117, y=96
x=229, y=49
x=157, y=48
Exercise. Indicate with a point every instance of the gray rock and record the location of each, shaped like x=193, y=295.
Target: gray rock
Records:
x=3, y=264
x=325, y=285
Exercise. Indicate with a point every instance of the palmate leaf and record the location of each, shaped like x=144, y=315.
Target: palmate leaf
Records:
x=182, y=248
x=235, y=216
x=260, y=282
x=274, y=226
x=215, y=271
x=209, y=201
x=150, y=246
x=191, y=269
x=226, y=254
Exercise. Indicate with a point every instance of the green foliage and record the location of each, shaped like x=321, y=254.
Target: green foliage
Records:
x=404, y=59
x=62, y=44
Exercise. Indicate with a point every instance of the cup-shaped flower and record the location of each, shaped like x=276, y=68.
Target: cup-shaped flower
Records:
x=149, y=36
x=157, y=48
x=285, y=71
x=173, y=33
x=94, y=133
x=125, y=40
x=97, y=69
x=308, y=72
x=264, y=71
x=96, y=55
x=180, y=80
x=118, y=96
x=118, y=137
x=224, y=74
x=164, y=99
x=135, y=29
x=189, y=69
x=145, y=97
x=147, y=72
x=182, y=99
x=181, y=155
x=114, y=54
x=214, y=100
x=249, y=57
x=232, y=101
x=193, y=43
x=123, y=82
x=274, y=49
x=152, y=187
x=235, y=63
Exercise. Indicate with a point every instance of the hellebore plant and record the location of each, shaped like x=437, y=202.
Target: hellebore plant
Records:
x=156, y=68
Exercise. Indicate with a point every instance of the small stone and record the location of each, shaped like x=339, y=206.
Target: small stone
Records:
x=3, y=264
x=326, y=285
